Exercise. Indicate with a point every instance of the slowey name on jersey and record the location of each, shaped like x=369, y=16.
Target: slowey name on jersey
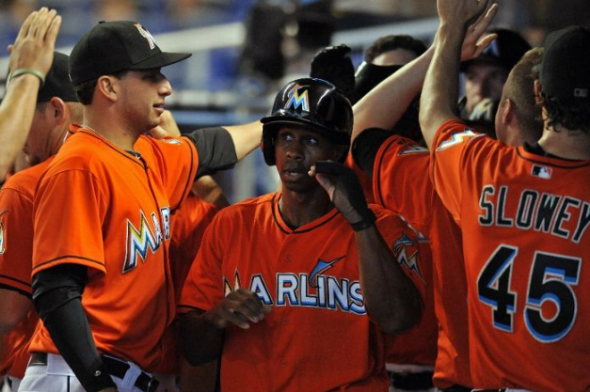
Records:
x=543, y=212
x=147, y=236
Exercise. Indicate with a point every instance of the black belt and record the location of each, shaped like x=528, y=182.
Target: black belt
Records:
x=411, y=381
x=115, y=367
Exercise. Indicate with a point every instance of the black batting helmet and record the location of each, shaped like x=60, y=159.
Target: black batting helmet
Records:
x=312, y=103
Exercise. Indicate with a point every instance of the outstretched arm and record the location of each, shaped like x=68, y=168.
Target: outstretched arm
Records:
x=441, y=86
x=30, y=60
x=246, y=137
x=398, y=90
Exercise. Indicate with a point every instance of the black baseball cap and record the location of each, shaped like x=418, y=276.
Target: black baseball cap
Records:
x=57, y=81
x=565, y=68
x=506, y=50
x=110, y=47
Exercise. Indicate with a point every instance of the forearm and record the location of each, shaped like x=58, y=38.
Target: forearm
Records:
x=383, y=106
x=441, y=86
x=201, y=341
x=16, y=116
x=246, y=137
x=391, y=299
x=57, y=298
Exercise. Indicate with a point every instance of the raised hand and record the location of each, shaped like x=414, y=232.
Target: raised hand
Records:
x=462, y=12
x=35, y=43
x=475, y=41
x=345, y=192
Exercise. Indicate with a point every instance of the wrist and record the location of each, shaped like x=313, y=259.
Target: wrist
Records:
x=25, y=71
x=367, y=221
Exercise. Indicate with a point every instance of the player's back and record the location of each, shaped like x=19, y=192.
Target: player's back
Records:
x=524, y=219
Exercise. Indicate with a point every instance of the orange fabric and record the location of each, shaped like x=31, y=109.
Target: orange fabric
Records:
x=401, y=184
x=107, y=209
x=524, y=220
x=16, y=225
x=188, y=226
x=313, y=339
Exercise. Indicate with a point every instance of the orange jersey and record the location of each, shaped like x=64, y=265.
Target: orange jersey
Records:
x=401, y=184
x=16, y=254
x=524, y=219
x=188, y=226
x=109, y=210
x=318, y=336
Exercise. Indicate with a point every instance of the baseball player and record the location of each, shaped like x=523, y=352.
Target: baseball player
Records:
x=30, y=60
x=56, y=108
x=293, y=288
x=101, y=278
x=522, y=213
x=395, y=163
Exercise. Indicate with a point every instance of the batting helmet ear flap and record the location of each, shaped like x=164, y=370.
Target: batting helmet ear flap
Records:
x=269, y=134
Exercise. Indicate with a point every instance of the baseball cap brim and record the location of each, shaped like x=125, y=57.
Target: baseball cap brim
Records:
x=159, y=60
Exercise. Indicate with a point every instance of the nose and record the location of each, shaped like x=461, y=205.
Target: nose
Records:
x=165, y=88
x=295, y=150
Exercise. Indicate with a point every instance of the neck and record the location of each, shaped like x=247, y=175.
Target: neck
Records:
x=107, y=125
x=298, y=208
x=566, y=143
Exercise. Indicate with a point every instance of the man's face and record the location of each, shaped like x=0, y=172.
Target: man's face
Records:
x=296, y=150
x=142, y=98
x=37, y=147
x=483, y=81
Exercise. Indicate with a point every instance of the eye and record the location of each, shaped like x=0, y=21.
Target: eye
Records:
x=154, y=76
x=311, y=141
x=285, y=136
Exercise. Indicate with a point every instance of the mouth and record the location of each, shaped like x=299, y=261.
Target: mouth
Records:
x=159, y=108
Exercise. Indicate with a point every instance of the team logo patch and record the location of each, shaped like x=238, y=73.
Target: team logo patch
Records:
x=406, y=252
x=146, y=34
x=542, y=172
x=458, y=138
x=298, y=99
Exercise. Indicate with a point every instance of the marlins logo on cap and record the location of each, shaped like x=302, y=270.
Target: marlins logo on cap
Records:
x=146, y=34
x=298, y=100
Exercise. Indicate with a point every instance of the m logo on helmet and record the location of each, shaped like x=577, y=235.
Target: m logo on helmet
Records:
x=146, y=34
x=297, y=99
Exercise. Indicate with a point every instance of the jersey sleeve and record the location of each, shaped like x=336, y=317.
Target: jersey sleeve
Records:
x=16, y=238
x=204, y=285
x=401, y=183
x=177, y=161
x=68, y=215
x=404, y=243
x=448, y=160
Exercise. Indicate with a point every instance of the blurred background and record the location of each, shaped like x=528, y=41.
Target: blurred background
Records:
x=244, y=50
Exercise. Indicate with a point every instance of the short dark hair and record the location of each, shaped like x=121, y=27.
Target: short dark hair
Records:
x=85, y=90
x=520, y=89
x=393, y=42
